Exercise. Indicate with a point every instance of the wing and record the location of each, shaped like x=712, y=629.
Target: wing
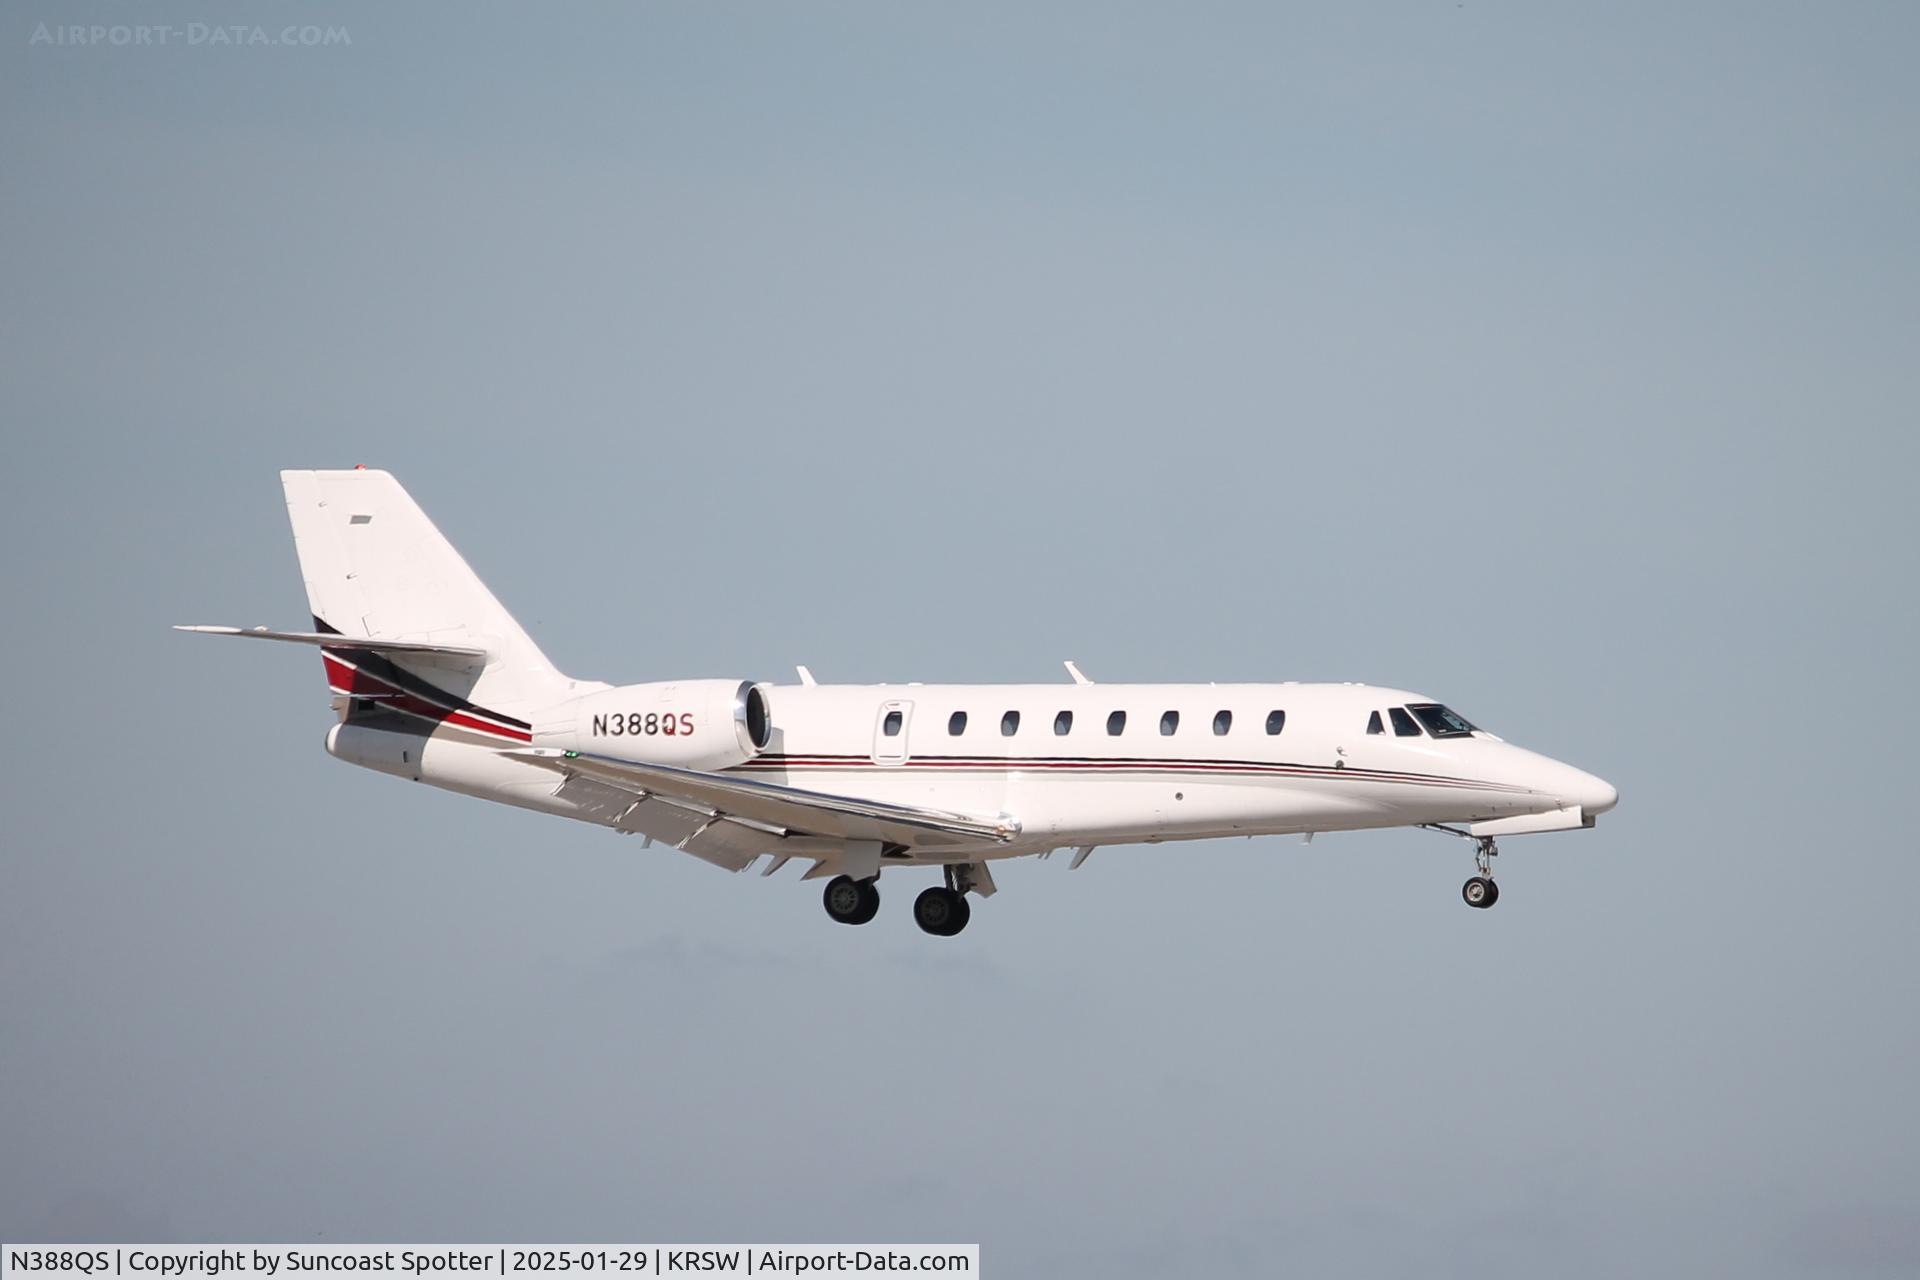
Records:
x=731, y=820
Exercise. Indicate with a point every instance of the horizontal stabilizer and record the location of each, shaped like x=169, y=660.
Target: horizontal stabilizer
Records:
x=333, y=640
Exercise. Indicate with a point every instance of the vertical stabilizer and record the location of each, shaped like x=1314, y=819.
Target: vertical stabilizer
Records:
x=376, y=567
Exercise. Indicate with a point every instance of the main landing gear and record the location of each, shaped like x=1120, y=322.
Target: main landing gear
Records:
x=942, y=911
x=1480, y=891
x=851, y=901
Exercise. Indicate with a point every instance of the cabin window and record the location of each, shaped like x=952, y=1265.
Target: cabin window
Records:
x=1276, y=721
x=1403, y=725
x=1009, y=724
x=891, y=725
x=1374, y=725
x=1169, y=723
x=1116, y=724
x=1222, y=723
x=1063, y=724
x=957, y=723
x=1440, y=721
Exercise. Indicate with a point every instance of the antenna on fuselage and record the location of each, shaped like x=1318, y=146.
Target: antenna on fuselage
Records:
x=1079, y=677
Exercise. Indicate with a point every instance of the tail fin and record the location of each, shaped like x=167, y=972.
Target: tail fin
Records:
x=376, y=568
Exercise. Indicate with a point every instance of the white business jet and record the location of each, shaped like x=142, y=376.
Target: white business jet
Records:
x=435, y=682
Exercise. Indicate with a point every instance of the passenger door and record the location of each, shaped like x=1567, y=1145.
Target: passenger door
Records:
x=890, y=732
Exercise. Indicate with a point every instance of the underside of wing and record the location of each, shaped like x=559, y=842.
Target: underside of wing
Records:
x=726, y=842
x=740, y=818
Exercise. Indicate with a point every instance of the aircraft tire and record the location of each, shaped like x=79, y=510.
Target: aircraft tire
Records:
x=941, y=912
x=851, y=901
x=1480, y=892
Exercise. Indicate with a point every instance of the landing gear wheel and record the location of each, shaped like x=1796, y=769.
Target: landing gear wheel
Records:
x=1480, y=892
x=851, y=901
x=942, y=912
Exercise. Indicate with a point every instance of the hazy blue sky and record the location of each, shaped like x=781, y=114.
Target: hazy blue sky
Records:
x=1560, y=361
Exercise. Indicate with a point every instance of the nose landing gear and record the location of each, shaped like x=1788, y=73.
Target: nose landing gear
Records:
x=1479, y=891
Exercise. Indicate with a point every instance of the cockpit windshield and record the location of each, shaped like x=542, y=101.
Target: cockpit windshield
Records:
x=1440, y=721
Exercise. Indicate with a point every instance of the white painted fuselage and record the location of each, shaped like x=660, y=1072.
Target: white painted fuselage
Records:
x=1048, y=757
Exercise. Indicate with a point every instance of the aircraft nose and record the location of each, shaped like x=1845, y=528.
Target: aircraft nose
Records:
x=1592, y=794
x=1601, y=798
x=1546, y=778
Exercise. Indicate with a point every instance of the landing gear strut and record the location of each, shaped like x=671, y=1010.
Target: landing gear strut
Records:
x=1480, y=891
x=851, y=901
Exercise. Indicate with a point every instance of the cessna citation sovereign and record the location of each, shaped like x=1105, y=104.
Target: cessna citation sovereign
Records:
x=436, y=682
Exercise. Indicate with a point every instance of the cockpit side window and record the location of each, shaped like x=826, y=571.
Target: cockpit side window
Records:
x=1403, y=725
x=1441, y=722
x=1374, y=725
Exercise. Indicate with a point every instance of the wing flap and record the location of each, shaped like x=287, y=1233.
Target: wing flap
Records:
x=729, y=844
x=635, y=812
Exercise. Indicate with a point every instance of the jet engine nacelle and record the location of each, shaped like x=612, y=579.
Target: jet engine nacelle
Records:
x=694, y=724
